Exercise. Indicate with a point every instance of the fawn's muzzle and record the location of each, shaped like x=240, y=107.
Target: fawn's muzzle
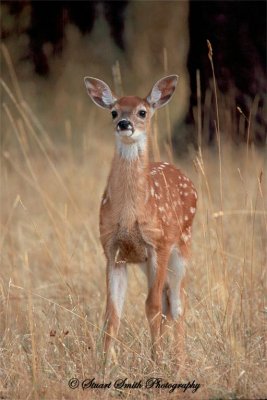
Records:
x=125, y=125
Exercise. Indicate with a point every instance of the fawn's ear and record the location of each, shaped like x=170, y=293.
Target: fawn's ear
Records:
x=99, y=92
x=162, y=91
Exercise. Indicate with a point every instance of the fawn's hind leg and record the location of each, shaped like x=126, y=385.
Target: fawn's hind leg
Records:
x=176, y=298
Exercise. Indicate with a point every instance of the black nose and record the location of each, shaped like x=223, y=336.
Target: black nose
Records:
x=124, y=125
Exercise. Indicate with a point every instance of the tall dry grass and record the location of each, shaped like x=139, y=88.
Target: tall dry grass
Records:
x=52, y=278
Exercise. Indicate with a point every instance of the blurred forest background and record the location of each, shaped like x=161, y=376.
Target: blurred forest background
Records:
x=54, y=44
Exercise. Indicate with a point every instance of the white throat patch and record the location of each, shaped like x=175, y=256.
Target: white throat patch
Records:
x=131, y=151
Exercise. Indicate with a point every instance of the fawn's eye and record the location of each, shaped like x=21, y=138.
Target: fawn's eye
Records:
x=142, y=113
x=114, y=114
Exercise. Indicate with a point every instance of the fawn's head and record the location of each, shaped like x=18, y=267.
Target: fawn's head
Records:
x=131, y=114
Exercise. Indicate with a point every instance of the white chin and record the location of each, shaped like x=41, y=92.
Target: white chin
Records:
x=127, y=139
x=127, y=132
x=126, y=136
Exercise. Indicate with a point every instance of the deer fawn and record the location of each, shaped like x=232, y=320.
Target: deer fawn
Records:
x=146, y=214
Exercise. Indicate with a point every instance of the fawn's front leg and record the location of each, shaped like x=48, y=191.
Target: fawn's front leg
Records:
x=158, y=265
x=116, y=290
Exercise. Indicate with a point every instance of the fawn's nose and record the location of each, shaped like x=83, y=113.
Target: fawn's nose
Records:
x=125, y=125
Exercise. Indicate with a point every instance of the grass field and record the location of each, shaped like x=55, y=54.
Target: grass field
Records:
x=52, y=277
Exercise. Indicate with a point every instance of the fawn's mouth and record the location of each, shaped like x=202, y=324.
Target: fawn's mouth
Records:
x=125, y=135
x=125, y=132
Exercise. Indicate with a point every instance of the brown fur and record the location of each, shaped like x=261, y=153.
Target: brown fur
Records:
x=146, y=213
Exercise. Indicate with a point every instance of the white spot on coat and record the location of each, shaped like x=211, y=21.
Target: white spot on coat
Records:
x=184, y=237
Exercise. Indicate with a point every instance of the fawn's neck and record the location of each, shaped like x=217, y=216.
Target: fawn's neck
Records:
x=132, y=152
x=128, y=183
